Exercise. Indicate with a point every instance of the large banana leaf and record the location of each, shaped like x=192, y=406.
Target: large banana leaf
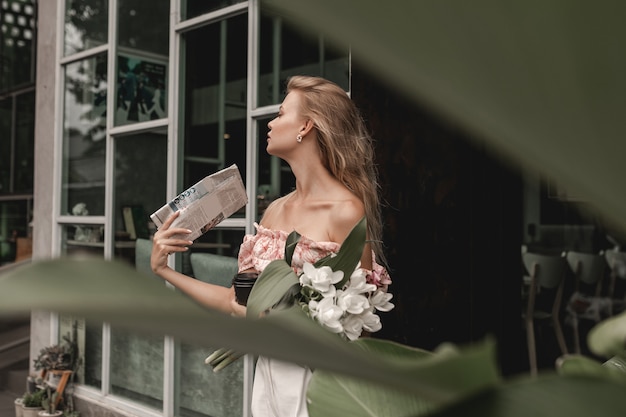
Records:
x=448, y=381
x=541, y=82
x=115, y=292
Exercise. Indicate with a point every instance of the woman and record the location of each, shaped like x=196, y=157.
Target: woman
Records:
x=321, y=135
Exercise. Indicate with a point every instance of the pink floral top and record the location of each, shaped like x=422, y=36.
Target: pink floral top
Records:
x=258, y=250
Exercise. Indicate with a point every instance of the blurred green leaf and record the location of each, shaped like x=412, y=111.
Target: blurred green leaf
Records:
x=540, y=82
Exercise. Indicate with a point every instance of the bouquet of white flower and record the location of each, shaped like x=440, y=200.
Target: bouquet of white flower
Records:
x=335, y=291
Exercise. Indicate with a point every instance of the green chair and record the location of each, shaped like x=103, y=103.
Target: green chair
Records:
x=214, y=269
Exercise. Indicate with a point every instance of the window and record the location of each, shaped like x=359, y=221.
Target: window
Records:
x=123, y=158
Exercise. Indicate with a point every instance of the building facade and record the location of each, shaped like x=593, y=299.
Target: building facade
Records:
x=136, y=100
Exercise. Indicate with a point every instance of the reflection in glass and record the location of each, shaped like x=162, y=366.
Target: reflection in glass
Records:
x=92, y=351
x=84, y=134
x=24, y=142
x=194, y=8
x=285, y=50
x=143, y=26
x=138, y=192
x=82, y=239
x=214, y=113
x=15, y=236
x=141, y=89
x=17, y=43
x=6, y=120
x=86, y=24
x=137, y=367
x=274, y=178
x=203, y=392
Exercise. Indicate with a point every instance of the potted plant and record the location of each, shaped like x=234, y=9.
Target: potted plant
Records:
x=49, y=404
x=19, y=404
x=54, y=360
x=31, y=403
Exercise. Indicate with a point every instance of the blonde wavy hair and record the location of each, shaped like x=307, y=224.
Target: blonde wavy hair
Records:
x=345, y=145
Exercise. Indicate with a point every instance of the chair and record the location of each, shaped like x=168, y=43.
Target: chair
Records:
x=546, y=278
x=143, y=250
x=616, y=261
x=586, y=301
x=214, y=269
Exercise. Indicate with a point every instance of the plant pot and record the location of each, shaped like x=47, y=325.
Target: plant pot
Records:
x=44, y=413
x=19, y=407
x=31, y=411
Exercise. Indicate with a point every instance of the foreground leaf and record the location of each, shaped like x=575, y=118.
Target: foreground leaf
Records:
x=114, y=292
x=607, y=338
x=548, y=395
x=270, y=287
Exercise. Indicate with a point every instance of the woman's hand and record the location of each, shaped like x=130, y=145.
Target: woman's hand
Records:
x=164, y=244
x=237, y=309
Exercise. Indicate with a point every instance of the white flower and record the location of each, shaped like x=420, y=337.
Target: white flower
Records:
x=352, y=302
x=371, y=321
x=352, y=326
x=358, y=282
x=321, y=279
x=380, y=300
x=327, y=313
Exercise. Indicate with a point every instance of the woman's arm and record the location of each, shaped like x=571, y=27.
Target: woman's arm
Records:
x=210, y=295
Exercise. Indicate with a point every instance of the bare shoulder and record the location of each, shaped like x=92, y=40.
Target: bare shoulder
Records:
x=345, y=215
x=272, y=212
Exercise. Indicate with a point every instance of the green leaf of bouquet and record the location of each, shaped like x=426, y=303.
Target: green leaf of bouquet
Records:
x=547, y=395
x=349, y=253
x=459, y=372
x=290, y=245
x=275, y=281
x=579, y=365
x=606, y=339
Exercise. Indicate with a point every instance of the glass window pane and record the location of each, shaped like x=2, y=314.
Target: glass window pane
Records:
x=15, y=234
x=141, y=89
x=6, y=117
x=221, y=394
x=143, y=26
x=204, y=392
x=90, y=373
x=285, y=50
x=274, y=178
x=84, y=144
x=86, y=24
x=137, y=367
x=24, y=142
x=194, y=8
x=17, y=46
x=214, y=113
x=138, y=192
x=82, y=239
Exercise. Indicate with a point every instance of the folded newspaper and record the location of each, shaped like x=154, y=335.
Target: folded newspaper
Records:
x=206, y=203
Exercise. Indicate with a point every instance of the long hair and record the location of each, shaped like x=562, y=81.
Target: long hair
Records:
x=345, y=145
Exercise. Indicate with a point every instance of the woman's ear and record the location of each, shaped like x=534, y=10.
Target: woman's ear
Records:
x=306, y=127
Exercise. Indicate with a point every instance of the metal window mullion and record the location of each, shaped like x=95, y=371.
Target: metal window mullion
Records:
x=251, y=167
x=275, y=177
x=109, y=187
x=221, y=93
x=170, y=381
x=59, y=118
x=12, y=144
x=208, y=18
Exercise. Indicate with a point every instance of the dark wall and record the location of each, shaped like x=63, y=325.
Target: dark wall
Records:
x=453, y=218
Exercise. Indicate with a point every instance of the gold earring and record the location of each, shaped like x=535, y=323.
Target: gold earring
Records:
x=299, y=138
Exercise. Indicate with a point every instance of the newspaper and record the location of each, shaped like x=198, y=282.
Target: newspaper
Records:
x=206, y=203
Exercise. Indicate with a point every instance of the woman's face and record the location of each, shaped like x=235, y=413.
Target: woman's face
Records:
x=285, y=127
